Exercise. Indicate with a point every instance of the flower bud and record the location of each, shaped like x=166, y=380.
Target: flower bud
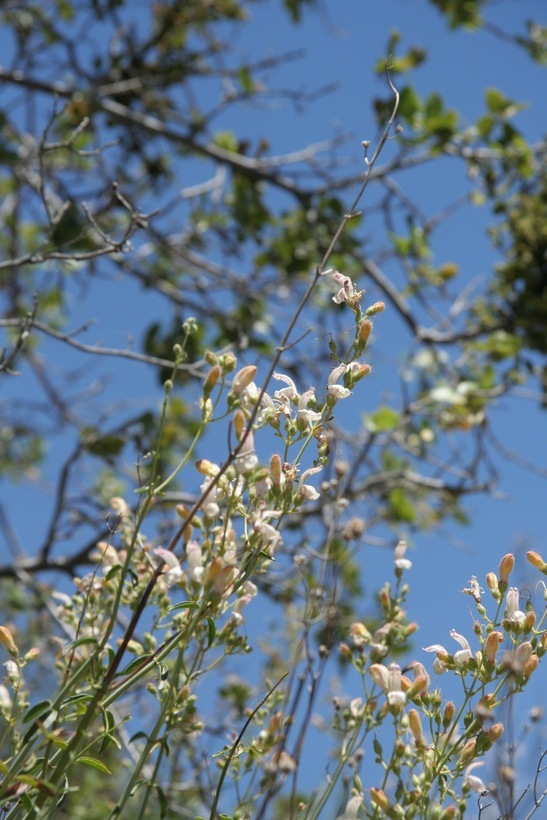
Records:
x=495, y=732
x=206, y=467
x=212, y=378
x=360, y=373
x=530, y=666
x=7, y=639
x=468, y=752
x=365, y=329
x=448, y=714
x=377, y=307
x=492, y=582
x=275, y=470
x=416, y=726
x=239, y=423
x=449, y=813
x=228, y=362
x=529, y=620
x=242, y=379
x=379, y=798
x=537, y=561
x=506, y=567
x=492, y=643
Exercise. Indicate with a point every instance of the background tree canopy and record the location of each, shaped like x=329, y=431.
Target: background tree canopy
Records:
x=160, y=198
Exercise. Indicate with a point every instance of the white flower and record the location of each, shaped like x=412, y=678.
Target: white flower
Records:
x=13, y=673
x=517, y=658
x=347, y=292
x=304, y=413
x=174, y=571
x=399, y=560
x=390, y=681
x=512, y=611
x=461, y=657
x=351, y=812
x=247, y=459
x=309, y=492
x=6, y=702
x=210, y=507
x=269, y=535
x=194, y=559
x=285, y=394
x=473, y=781
x=335, y=390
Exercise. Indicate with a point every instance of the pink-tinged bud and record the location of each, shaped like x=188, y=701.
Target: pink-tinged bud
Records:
x=530, y=666
x=415, y=724
x=275, y=470
x=468, y=752
x=242, y=379
x=210, y=357
x=529, y=620
x=506, y=567
x=7, y=639
x=360, y=373
x=384, y=598
x=206, y=467
x=537, y=561
x=420, y=685
x=379, y=798
x=449, y=813
x=448, y=715
x=345, y=651
x=220, y=577
x=377, y=307
x=495, y=732
x=492, y=582
x=365, y=330
x=239, y=423
x=492, y=643
x=212, y=378
x=183, y=512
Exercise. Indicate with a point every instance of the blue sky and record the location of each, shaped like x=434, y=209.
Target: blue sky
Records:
x=342, y=44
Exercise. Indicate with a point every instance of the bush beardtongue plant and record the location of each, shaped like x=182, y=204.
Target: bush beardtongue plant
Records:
x=151, y=622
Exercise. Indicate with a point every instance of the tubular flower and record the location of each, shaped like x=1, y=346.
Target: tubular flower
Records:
x=347, y=292
x=306, y=490
x=304, y=413
x=174, y=571
x=401, y=563
x=337, y=391
x=247, y=459
x=352, y=807
x=194, y=559
x=516, y=660
x=461, y=657
x=512, y=611
x=390, y=681
x=472, y=781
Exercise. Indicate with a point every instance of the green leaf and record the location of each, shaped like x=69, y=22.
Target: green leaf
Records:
x=136, y=663
x=184, y=605
x=382, y=420
x=402, y=509
x=226, y=140
x=94, y=764
x=496, y=101
x=212, y=631
x=39, y=710
x=101, y=446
